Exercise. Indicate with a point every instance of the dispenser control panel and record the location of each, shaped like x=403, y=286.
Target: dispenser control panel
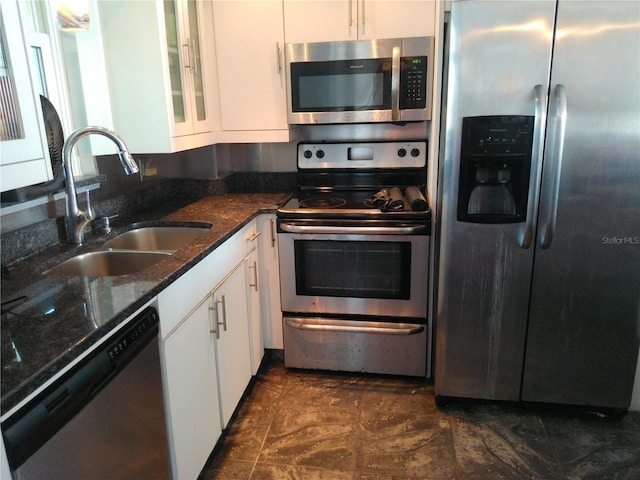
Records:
x=495, y=167
x=499, y=135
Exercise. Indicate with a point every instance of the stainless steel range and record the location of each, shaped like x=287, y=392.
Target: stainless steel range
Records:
x=354, y=250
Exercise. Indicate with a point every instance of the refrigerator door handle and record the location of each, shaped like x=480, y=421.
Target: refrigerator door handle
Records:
x=548, y=224
x=540, y=119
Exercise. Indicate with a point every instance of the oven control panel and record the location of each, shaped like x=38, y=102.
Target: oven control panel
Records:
x=362, y=155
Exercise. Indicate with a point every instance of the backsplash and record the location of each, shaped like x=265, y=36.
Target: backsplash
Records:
x=23, y=242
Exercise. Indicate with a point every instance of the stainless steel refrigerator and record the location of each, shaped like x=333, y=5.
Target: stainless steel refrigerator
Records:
x=539, y=265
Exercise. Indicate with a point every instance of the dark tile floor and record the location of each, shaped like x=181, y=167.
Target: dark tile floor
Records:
x=309, y=425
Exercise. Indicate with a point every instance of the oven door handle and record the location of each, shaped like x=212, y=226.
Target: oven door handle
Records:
x=327, y=229
x=347, y=326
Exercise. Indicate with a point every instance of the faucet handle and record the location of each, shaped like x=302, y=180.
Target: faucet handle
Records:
x=104, y=223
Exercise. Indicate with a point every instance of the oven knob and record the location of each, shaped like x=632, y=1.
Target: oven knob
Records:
x=320, y=154
x=415, y=152
x=308, y=154
x=402, y=152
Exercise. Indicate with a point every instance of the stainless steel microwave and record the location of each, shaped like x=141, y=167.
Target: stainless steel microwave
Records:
x=360, y=81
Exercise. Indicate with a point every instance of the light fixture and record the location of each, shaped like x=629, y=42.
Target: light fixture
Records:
x=73, y=15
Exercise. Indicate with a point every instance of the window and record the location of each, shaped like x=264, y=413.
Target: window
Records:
x=53, y=56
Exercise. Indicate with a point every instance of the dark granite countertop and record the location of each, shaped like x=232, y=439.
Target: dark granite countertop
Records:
x=54, y=320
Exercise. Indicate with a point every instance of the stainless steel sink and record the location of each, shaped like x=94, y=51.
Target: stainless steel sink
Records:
x=165, y=238
x=131, y=251
x=107, y=263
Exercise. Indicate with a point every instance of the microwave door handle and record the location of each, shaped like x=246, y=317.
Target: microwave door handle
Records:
x=395, y=84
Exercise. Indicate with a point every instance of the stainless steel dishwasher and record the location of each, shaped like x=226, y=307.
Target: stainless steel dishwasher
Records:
x=104, y=419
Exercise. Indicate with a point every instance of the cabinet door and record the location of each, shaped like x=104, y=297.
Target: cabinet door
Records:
x=320, y=20
x=249, y=39
x=233, y=349
x=191, y=387
x=396, y=19
x=197, y=25
x=23, y=154
x=159, y=84
x=253, y=286
x=179, y=74
x=185, y=49
x=326, y=20
x=269, y=282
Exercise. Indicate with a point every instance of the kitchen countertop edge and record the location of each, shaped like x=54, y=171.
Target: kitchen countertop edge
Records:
x=226, y=222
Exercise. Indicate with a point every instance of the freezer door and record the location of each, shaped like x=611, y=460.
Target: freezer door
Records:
x=585, y=309
x=499, y=52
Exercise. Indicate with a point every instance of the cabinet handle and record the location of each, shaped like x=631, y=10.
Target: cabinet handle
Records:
x=350, y=13
x=224, y=313
x=254, y=267
x=253, y=237
x=194, y=63
x=187, y=57
x=362, y=23
x=279, y=62
x=273, y=233
x=214, y=323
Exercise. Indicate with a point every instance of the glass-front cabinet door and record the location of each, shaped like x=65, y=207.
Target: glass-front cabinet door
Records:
x=187, y=77
x=178, y=76
x=23, y=156
x=195, y=63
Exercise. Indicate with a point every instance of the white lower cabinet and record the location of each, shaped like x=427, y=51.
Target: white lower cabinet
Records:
x=206, y=351
x=269, y=283
x=192, y=392
x=232, y=341
x=253, y=285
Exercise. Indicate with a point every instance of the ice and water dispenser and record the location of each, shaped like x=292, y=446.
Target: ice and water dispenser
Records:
x=495, y=162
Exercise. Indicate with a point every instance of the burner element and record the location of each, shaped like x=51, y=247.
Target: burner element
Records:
x=322, y=202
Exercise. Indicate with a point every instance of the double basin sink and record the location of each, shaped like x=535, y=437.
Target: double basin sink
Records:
x=132, y=251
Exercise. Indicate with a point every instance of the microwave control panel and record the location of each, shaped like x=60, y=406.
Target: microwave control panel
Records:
x=413, y=82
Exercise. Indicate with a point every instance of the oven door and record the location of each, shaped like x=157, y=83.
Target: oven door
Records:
x=373, y=271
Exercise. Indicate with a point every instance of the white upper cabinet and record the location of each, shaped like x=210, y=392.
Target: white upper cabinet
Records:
x=249, y=38
x=24, y=154
x=160, y=72
x=329, y=20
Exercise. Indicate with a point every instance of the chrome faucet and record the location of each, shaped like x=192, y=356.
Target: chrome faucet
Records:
x=77, y=219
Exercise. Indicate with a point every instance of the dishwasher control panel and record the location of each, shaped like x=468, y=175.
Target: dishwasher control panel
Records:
x=145, y=325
